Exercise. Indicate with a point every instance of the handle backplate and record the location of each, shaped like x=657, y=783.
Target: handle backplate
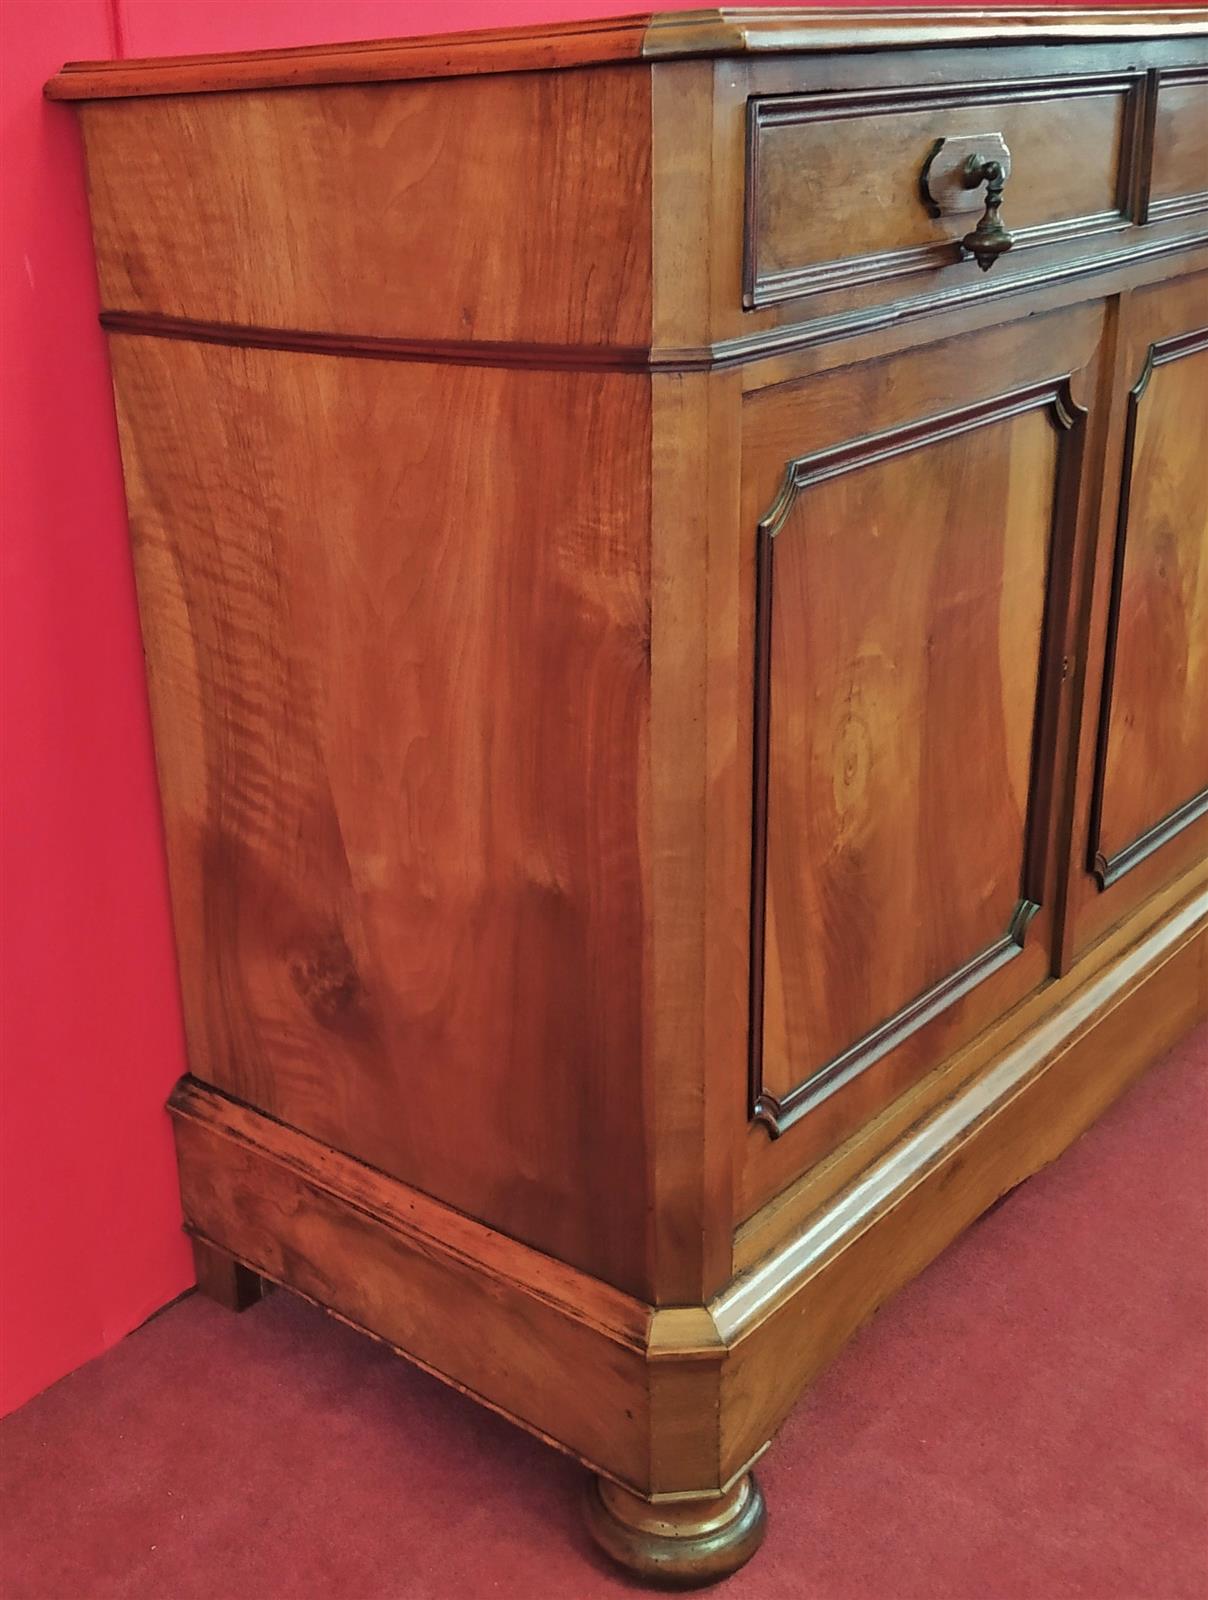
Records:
x=945, y=177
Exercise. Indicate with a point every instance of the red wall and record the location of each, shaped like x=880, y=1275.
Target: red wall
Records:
x=89, y=1236
x=90, y=1242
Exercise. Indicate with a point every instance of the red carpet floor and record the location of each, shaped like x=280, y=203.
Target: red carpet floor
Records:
x=1028, y=1421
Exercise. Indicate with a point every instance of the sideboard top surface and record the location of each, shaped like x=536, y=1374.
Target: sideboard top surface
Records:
x=644, y=37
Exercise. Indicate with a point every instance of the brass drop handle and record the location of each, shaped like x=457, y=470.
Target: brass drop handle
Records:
x=990, y=239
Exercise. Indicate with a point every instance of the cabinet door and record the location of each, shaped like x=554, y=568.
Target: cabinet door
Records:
x=914, y=523
x=1143, y=794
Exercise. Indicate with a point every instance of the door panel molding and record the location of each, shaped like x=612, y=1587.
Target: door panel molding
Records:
x=1107, y=867
x=777, y=1112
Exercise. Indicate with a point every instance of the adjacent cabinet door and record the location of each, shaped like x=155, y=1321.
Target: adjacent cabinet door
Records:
x=1144, y=782
x=914, y=524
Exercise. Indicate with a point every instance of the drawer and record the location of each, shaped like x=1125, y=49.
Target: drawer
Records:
x=1178, y=181
x=835, y=181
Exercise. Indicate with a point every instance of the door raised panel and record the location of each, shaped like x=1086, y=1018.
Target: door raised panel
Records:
x=1151, y=778
x=911, y=597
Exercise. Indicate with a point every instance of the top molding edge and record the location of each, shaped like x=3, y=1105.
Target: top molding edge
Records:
x=660, y=36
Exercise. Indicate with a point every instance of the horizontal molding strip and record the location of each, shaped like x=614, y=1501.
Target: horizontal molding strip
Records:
x=791, y=337
x=374, y=347
x=778, y=1113
x=741, y=351
x=793, y=283
x=1107, y=869
x=430, y=1224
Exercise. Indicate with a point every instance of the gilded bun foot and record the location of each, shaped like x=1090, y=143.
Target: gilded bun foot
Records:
x=681, y=1544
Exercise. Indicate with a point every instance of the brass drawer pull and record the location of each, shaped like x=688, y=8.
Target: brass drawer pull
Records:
x=990, y=239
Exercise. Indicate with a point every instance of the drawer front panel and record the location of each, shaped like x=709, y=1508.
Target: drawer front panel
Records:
x=1179, y=178
x=834, y=181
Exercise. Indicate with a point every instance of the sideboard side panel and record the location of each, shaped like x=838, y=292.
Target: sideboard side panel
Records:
x=399, y=669
x=501, y=208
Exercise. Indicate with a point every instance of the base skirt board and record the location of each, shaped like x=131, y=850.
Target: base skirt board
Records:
x=671, y=1401
x=301, y=1215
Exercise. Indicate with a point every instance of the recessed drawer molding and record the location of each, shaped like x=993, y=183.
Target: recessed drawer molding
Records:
x=811, y=183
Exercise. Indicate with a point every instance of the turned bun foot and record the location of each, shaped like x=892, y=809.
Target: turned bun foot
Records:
x=679, y=1543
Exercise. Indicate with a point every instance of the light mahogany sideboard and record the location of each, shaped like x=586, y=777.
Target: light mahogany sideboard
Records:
x=673, y=561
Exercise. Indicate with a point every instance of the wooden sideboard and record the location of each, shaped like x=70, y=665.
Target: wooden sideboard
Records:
x=679, y=667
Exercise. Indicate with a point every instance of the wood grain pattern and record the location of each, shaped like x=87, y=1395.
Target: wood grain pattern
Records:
x=784, y=1320
x=402, y=763
x=367, y=275
x=488, y=50
x=833, y=180
x=372, y=212
x=1178, y=182
x=548, y=1348
x=895, y=883
x=876, y=916
x=1080, y=274
x=598, y=1374
x=689, y=1126
x=1152, y=772
x=1154, y=313
x=822, y=1184
x=921, y=285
